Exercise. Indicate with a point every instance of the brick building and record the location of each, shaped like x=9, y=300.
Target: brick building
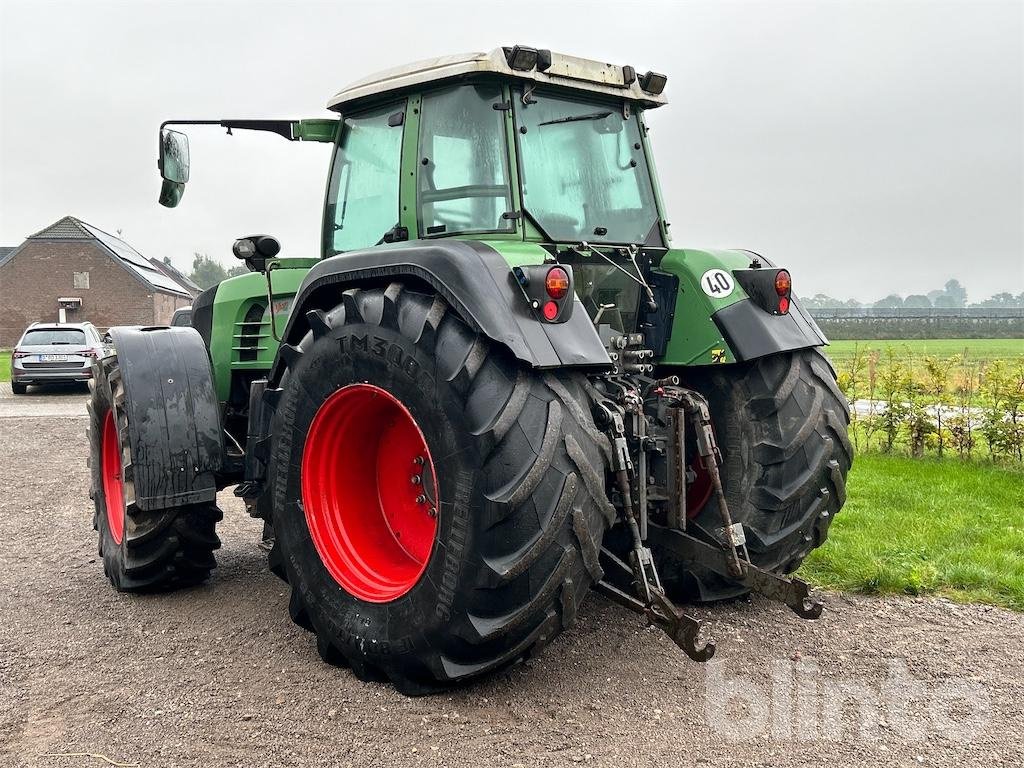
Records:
x=90, y=275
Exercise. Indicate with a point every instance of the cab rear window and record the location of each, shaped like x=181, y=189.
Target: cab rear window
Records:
x=40, y=336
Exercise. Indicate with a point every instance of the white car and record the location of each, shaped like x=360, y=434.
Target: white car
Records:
x=50, y=353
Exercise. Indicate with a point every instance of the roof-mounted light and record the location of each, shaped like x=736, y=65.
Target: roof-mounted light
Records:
x=521, y=58
x=653, y=82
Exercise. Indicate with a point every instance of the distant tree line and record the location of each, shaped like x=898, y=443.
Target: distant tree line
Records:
x=952, y=296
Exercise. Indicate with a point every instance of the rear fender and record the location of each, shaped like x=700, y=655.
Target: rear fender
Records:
x=726, y=326
x=474, y=279
x=174, y=428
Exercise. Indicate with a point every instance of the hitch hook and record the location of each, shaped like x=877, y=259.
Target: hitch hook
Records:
x=684, y=630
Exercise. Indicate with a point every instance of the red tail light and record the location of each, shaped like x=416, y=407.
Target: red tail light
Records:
x=783, y=283
x=557, y=283
x=88, y=353
x=550, y=310
x=19, y=354
x=783, y=305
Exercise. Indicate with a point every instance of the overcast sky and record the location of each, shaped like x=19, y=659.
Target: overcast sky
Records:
x=872, y=147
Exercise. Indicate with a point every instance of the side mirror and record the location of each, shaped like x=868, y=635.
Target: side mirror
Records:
x=173, y=164
x=256, y=251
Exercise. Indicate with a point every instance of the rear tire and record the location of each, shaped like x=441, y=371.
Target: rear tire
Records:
x=781, y=423
x=142, y=550
x=521, y=507
x=19, y=389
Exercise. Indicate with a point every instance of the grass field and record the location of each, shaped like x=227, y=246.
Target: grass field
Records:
x=980, y=350
x=920, y=526
x=5, y=365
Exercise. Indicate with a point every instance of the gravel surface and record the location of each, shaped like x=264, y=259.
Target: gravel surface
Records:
x=219, y=675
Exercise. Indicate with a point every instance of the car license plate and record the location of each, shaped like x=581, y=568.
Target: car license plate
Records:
x=53, y=358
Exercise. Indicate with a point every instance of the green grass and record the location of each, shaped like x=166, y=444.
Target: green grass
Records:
x=981, y=350
x=5, y=365
x=919, y=526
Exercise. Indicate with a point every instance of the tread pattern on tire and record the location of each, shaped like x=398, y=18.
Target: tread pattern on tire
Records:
x=782, y=425
x=161, y=549
x=542, y=519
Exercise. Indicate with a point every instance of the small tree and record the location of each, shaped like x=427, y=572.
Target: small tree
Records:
x=894, y=381
x=936, y=385
x=961, y=426
x=205, y=271
x=850, y=382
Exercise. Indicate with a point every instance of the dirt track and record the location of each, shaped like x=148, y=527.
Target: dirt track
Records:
x=219, y=675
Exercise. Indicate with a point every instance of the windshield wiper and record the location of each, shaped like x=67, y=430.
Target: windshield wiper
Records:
x=577, y=118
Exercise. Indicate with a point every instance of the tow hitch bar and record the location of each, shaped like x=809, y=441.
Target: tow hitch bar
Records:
x=723, y=551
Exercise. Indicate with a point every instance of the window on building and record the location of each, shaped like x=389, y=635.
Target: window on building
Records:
x=81, y=280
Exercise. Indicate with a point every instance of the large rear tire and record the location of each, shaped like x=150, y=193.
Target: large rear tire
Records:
x=142, y=550
x=781, y=424
x=438, y=507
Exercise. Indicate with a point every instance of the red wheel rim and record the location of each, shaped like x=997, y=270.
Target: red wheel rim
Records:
x=369, y=490
x=699, y=491
x=113, y=483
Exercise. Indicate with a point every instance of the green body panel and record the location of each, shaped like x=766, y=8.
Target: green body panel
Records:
x=316, y=129
x=517, y=253
x=235, y=297
x=696, y=339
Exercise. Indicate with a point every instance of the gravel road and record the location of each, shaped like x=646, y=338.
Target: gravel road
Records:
x=219, y=675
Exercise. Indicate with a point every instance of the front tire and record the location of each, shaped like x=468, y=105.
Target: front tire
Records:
x=142, y=550
x=515, y=470
x=781, y=424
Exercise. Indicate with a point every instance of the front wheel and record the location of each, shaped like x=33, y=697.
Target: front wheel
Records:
x=438, y=507
x=142, y=550
x=781, y=424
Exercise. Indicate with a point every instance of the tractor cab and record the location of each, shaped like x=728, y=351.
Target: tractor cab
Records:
x=515, y=145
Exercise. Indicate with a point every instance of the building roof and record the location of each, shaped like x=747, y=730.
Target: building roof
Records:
x=566, y=71
x=177, y=275
x=70, y=228
x=5, y=251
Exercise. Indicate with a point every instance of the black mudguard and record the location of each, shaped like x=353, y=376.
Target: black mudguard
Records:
x=174, y=425
x=475, y=281
x=751, y=332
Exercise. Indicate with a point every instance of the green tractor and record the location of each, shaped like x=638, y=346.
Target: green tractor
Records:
x=498, y=387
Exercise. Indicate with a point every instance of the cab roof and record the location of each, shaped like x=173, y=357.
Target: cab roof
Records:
x=548, y=68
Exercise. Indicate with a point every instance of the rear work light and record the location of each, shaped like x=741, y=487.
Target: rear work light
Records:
x=557, y=283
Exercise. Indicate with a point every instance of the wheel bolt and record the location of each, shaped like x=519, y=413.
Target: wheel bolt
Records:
x=421, y=499
x=418, y=460
x=432, y=512
x=416, y=479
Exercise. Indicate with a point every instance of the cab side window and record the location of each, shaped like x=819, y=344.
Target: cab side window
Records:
x=463, y=172
x=362, y=199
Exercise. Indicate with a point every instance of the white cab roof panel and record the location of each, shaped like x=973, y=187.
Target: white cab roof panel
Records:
x=566, y=71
